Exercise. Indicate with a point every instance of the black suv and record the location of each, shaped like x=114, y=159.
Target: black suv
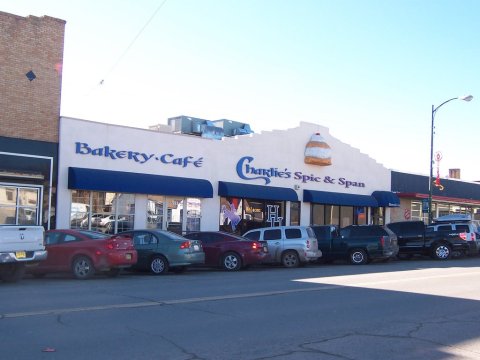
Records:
x=415, y=238
x=358, y=243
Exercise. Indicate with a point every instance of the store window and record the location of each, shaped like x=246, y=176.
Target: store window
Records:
x=177, y=214
x=20, y=205
x=231, y=213
x=295, y=213
x=193, y=214
x=443, y=209
x=416, y=211
x=332, y=214
x=378, y=216
x=240, y=215
x=102, y=211
x=318, y=214
x=338, y=215
x=360, y=215
x=155, y=206
x=346, y=216
x=174, y=214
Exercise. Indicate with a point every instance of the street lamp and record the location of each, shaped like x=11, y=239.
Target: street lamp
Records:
x=430, y=179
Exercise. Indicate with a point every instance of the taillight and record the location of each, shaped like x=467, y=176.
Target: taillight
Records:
x=382, y=240
x=474, y=236
x=463, y=236
x=110, y=245
x=185, y=245
x=308, y=244
x=257, y=246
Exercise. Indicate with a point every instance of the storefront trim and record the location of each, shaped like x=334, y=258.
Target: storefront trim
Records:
x=256, y=191
x=335, y=198
x=386, y=198
x=446, y=199
x=136, y=183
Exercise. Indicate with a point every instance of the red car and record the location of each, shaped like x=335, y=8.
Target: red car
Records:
x=85, y=253
x=229, y=251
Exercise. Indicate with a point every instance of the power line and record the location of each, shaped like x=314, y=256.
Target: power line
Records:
x=132, y=42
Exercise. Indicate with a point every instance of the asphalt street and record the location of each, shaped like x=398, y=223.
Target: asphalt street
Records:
x=416, y=309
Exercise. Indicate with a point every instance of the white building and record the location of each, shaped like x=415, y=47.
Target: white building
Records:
x=144, y=177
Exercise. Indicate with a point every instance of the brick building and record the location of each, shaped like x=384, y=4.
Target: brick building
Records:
x=31, y=62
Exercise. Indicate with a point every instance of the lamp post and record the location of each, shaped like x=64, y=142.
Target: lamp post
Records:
x=430, y=179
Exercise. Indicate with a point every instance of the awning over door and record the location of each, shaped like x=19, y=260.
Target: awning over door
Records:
x=386, y=198
x=334, y=198
x=256, y=191
x=136, y=183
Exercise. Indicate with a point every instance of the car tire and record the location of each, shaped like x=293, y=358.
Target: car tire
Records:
x=231, y=261
x=159, y=265
x=82, y=268
x=13, y=272
x=290, y=259
x=358, y=257
x=441, y=251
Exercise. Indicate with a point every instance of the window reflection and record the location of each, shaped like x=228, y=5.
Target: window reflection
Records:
x=256, y=213
x=20, y=205
x=102, y=211
x=338, y=215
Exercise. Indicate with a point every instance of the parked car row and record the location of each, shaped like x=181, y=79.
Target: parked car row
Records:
x=85, y=253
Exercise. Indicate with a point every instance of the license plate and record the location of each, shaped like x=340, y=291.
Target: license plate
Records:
x=196, y=247
x=20, y=254
x=128, y=256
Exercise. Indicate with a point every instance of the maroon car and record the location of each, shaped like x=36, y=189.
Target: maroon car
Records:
x=85, y=253
x=229, y=251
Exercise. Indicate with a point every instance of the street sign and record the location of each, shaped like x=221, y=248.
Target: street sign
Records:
x=425, y=206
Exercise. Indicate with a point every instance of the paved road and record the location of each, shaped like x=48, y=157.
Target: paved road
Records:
x=418, y=309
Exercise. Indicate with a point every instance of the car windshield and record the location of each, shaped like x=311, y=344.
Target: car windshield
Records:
x=95, y=235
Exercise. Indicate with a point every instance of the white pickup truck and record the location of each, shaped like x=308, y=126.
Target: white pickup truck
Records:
x=20, y=245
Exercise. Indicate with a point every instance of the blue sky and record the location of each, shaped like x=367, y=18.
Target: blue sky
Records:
x=370, y=71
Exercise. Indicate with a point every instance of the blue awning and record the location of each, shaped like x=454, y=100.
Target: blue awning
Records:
x=256, y=191
x=136, y=183
x=334, y=198
x=386, y=198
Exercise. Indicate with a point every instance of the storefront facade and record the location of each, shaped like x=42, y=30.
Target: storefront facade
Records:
x=32, y=58
x=141, y=178
x=449, y=196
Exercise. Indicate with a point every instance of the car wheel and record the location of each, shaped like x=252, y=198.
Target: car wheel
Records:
x=290, y=259
x=358, y=257
x=441, y=251
x=231, y=262
x=12, y=272
x=159, y=265
x=113, y=272
x=82, y=268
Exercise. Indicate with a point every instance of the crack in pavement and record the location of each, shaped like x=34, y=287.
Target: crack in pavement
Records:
x=307, y=346
x=192, y=356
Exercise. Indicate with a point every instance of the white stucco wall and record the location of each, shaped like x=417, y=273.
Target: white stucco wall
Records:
x=282, y=150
